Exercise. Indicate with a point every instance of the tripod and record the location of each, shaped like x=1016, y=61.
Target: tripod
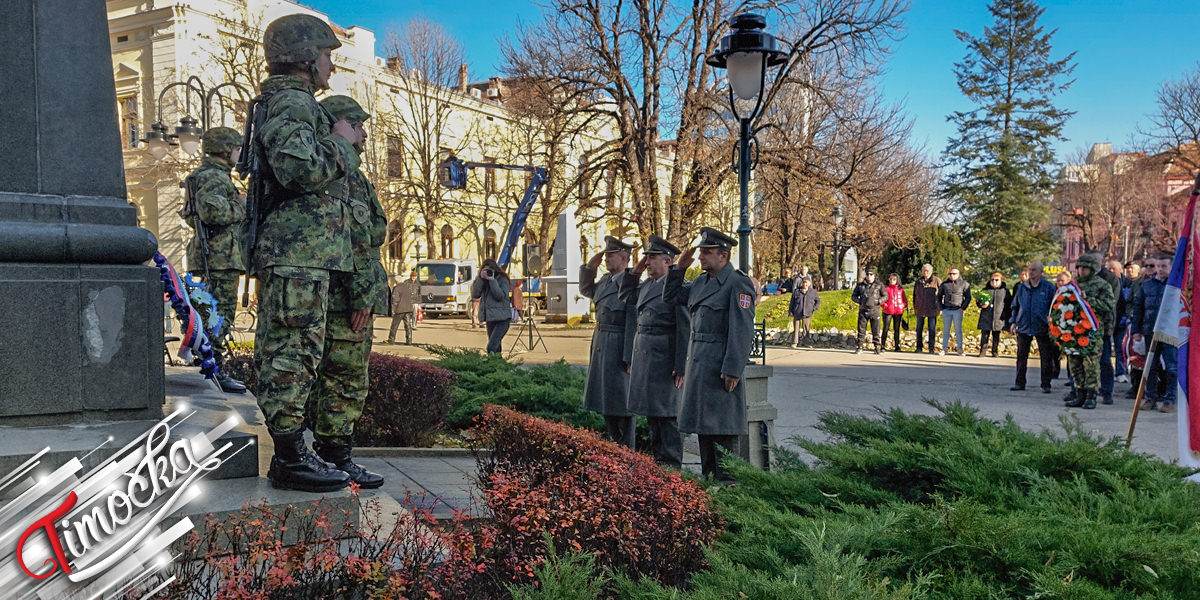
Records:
x=527, y=325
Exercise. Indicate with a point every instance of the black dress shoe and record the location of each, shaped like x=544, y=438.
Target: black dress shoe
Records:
x=1017, y=388
x=1046, y=390
x=230, y=385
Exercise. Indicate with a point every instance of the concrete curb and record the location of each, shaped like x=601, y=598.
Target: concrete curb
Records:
x=411, y=451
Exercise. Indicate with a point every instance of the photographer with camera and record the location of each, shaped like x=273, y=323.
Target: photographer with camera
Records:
x=494, y=292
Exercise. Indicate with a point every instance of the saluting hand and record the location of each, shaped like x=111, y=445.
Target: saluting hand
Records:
x=596, y=260
x=346, y=130
x=641, y=266
x=686, y=259
x=731, y=382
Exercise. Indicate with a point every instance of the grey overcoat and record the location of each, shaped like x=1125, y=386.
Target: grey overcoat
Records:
x=659, y=348
x=721, y=309
x=606, y=388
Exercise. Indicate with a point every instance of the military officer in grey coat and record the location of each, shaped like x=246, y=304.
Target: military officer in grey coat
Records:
x=720, y=303
x=606, y=389
x=659, y=352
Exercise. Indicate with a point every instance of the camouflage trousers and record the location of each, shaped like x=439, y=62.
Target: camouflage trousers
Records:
x=289, y=342
x=1085, y=370
x=337, y=401
x=224, y=286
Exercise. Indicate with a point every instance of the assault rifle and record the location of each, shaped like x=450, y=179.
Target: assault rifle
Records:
x=251, y=163
x=191, y=211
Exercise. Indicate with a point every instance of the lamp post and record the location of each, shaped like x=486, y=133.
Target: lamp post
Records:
x=746, y=52
x=839, y=216
x=418, y=231
x=189, y=131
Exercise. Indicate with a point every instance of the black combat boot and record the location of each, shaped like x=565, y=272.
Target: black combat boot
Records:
x=230, y=385
x=1075, y=399
x=338, y=453
x=295, y=467
x=1089, y=399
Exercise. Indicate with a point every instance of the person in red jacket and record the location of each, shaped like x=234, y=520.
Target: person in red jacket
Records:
x=893, y=311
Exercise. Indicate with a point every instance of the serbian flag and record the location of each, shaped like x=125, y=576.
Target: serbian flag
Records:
x=1174, y=326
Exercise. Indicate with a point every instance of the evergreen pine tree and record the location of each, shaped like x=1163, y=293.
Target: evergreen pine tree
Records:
x=1000, y=165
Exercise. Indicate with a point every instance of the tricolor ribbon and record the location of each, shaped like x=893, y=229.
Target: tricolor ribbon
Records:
x=195, y=337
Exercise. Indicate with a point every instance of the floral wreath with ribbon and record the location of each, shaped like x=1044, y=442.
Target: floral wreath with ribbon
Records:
x=1073, y=325
x=197, y=312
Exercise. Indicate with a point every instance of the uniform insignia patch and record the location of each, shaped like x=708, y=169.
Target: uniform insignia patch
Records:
x=744, y=300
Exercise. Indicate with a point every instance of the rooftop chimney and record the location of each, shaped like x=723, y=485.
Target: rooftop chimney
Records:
x=462, y=78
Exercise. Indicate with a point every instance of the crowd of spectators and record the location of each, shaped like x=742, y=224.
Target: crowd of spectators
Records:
x=1125, y=322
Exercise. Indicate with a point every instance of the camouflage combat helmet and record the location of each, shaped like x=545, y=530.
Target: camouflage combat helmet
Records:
x=344, y=107
x=219, y=140
x=297, y=39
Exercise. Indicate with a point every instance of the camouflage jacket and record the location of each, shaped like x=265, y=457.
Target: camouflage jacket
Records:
x=368, y=284
x=223, y=214
x=305, y=212
x=1099, y=295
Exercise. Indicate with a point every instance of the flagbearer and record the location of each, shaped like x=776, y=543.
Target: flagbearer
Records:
x=1085, y=368
x=720, y=304
x=1146, y=305
x=659, y=352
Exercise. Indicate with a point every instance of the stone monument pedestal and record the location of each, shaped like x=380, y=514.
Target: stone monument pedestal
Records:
x=757, y=446
x=81, y=334
x=564, y=303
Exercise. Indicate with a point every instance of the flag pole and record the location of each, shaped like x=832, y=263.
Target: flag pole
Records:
x=1152, y=353
x=1151, y=356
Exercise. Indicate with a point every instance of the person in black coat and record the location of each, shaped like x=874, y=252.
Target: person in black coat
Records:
x=869, y=294
x=991, y=313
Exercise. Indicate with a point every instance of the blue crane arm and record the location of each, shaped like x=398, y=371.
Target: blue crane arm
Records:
x=518, y=222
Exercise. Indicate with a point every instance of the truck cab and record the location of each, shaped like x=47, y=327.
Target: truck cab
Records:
x=446, y=285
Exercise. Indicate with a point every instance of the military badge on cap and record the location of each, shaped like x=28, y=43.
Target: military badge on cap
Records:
x=711, y=238
x=612, y=244
x=657, y=245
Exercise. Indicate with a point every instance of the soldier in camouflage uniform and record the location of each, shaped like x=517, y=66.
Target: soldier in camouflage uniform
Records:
x=216, y=210
x=303, y=239
x=337, y=401
x=1098, y=294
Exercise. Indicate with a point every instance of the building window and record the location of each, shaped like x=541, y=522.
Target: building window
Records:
x=489, y=244
x=447, y=241
x=489, y=176
x=395, y=158
x=129, y=121
x=395, y=238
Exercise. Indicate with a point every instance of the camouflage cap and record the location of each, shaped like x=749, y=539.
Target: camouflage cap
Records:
x=345, y=107
x=297, y=38
x=220, y=139
x=1088, y=261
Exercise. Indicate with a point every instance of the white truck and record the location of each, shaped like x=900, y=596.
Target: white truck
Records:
x=446, y=285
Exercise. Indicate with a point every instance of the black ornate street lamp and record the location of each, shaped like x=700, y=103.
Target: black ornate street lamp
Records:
x=189, y=131
x=839, y=216
x=746, y=53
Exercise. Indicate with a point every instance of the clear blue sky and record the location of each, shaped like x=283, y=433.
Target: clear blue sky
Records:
x=1124, y=49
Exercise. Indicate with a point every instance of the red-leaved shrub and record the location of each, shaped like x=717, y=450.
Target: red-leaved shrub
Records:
x=589, y=495
x=406, y=402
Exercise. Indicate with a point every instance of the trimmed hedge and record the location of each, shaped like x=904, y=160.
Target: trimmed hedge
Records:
x=544, y=480
x=407, y=400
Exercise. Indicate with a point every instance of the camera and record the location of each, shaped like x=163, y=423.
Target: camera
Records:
x=489, y=272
